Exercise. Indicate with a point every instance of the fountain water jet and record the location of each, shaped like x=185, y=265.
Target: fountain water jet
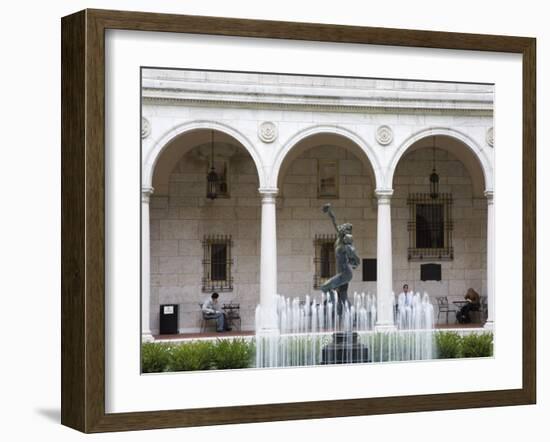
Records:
x=307, y=327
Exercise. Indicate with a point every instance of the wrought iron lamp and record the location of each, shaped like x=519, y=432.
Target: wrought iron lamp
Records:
x=434, y=177
x=212, y=177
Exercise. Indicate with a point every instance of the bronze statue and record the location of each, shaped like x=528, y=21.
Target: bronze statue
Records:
x=346, y=260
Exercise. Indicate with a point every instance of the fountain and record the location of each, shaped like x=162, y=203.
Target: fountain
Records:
x=307, y=326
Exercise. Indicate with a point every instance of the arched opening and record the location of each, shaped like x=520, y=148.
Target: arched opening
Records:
x=201, y=245
x=323, y=168
x=448, y=229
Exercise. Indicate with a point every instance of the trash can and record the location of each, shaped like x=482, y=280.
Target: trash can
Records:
x=168, y=323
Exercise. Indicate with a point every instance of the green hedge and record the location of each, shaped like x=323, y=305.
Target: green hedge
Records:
x=197, y=355
x=477, y=346
x=154, y=357
x=448, y=345
x=224, y=354
x=234, y=353
x=451, y=345
x=192, y=356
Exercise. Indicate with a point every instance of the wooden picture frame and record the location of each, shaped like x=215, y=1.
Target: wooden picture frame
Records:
x=83, y=220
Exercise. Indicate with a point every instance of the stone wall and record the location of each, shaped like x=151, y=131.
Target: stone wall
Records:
x=180, y=219
x=468, y=268
x=179, y=222
x=300, y=218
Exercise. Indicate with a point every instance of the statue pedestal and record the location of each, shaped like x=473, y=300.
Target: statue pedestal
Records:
x=344, y=349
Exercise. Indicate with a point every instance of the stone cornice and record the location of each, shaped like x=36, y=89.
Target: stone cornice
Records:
x=446, y=104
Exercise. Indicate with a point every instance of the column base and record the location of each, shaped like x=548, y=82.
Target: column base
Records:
x=384, y=328
x=147, y=337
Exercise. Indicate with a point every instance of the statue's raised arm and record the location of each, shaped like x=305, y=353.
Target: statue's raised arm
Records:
x=327, y=208
x=346, y=261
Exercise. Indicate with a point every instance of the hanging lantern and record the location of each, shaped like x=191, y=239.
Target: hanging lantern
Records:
x=212, y=177
x=434, y=178
x=434, y=184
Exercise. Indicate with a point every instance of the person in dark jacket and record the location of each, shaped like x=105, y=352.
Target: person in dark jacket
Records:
x=472, y=305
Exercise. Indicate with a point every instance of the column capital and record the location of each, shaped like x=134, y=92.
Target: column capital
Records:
x=268, y=191
x=489, y=194
x=146, y=193
x=383, y=195
x=268, y=194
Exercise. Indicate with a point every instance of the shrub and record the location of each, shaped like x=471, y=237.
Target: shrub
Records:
x=449, y=345
x=191, y=356
x=477, y=345
x=154, y=357
x=232, y=353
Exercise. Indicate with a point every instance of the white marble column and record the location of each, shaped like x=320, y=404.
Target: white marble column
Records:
x=145, y=265
x=268, y=261
x=384, y=279
x=489, y=194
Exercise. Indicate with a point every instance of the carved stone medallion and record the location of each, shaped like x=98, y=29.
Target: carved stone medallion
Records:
x=145, y=127
x=384, y=135
x=490, y=137
x=267, y=132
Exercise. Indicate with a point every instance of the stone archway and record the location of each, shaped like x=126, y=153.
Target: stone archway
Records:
x=151, y=158
x=177, y=219
x=473, y=156
x=466, y=249
x=353, y=141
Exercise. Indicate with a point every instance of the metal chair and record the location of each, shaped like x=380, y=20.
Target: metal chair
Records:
x=443, y=307
x=480, y=316
x=233, y=313
x=205, y=319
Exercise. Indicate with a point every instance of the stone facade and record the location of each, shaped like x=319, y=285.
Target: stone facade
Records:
x=279, y=128
x=300, y=218
x=468, y=268
x=180, y=220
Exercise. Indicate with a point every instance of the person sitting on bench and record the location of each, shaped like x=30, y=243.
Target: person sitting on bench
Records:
x=463, y=316
x=211, y=309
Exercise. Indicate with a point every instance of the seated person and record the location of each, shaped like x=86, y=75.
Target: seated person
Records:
x=463, y=315
x=211, y=309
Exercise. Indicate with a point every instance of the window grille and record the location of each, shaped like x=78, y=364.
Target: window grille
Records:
x=325, y=259
x=430, y=227
x=217, y=263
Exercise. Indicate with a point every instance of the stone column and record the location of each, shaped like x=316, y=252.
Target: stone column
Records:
x=384, y=279
x=490, y=260
x=268, y=261
x=145, y=265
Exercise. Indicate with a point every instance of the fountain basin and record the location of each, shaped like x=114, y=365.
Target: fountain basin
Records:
x=345, y=348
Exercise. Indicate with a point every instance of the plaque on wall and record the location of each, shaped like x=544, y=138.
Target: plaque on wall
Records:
x=430, y=272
